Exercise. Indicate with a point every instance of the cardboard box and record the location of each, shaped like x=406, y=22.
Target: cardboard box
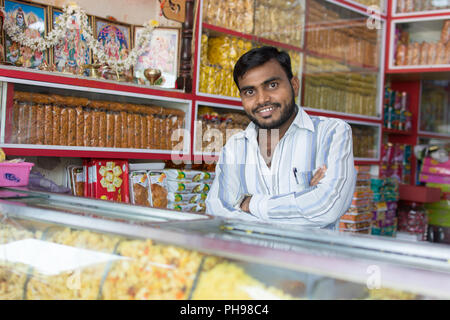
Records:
x=110, y=180
x=419, y=193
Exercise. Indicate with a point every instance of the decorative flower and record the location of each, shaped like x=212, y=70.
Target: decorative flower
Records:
x=65, y=22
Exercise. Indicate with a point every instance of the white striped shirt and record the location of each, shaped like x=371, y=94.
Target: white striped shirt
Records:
x=277, y=195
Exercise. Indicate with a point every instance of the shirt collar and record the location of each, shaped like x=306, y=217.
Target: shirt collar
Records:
x=302, y=121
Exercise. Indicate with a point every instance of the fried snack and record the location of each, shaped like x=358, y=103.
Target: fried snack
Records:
x=13, y=275
x=159, y=196
x=151, y=271
x=140, y=188
x=74, y=284
x=390, y=294
x=227, y=281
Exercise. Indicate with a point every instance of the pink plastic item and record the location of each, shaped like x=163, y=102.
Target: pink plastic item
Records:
x=15, y=174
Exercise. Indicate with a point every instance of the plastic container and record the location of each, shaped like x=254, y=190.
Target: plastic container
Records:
x=15, y=174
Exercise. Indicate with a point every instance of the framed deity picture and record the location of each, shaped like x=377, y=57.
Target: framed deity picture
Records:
x=162, y=52
x=115, y=38
x=72, y=52
x=31, y=19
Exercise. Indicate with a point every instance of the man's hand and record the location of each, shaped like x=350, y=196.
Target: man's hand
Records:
x=245, y=205
x=318, y=176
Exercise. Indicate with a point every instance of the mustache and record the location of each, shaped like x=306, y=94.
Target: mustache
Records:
x=267, y=104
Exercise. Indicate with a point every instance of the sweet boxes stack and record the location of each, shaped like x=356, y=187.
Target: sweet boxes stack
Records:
x=385, y=198
x=148, y=188
x=188, y=189
x=106, y=179
x=358, y=217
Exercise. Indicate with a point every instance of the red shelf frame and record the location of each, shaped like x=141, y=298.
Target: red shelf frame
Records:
x=30, y=152
x=400, y=132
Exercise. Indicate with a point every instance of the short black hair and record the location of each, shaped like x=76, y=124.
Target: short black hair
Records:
x=259, y=56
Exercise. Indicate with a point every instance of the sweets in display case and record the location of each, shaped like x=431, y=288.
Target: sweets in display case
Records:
x=215, y=126
x=352, y=42
x=412, y=50
x=51, y=119
x=332, y=86
x=281, y=21
x=128, y=269
x=277, y=20
x=219, y=54
x=404, y=6
x=233, y=14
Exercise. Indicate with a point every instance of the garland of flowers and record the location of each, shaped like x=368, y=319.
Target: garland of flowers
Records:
x=65, y=23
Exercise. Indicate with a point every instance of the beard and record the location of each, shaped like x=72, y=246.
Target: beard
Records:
x=285, y=115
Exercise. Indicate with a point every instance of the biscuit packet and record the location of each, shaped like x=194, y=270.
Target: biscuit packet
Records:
x=187, y=187
x=187, y=207
x=175, y=197
x=157, y=182
x=188, y=175
x=139, y=188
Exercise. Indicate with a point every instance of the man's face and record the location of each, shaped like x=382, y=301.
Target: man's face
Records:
x=267, y=95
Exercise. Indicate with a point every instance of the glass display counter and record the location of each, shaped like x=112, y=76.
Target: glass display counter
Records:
x=48, y=253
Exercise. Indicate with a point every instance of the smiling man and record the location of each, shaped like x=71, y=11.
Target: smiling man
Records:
x=286, y=167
